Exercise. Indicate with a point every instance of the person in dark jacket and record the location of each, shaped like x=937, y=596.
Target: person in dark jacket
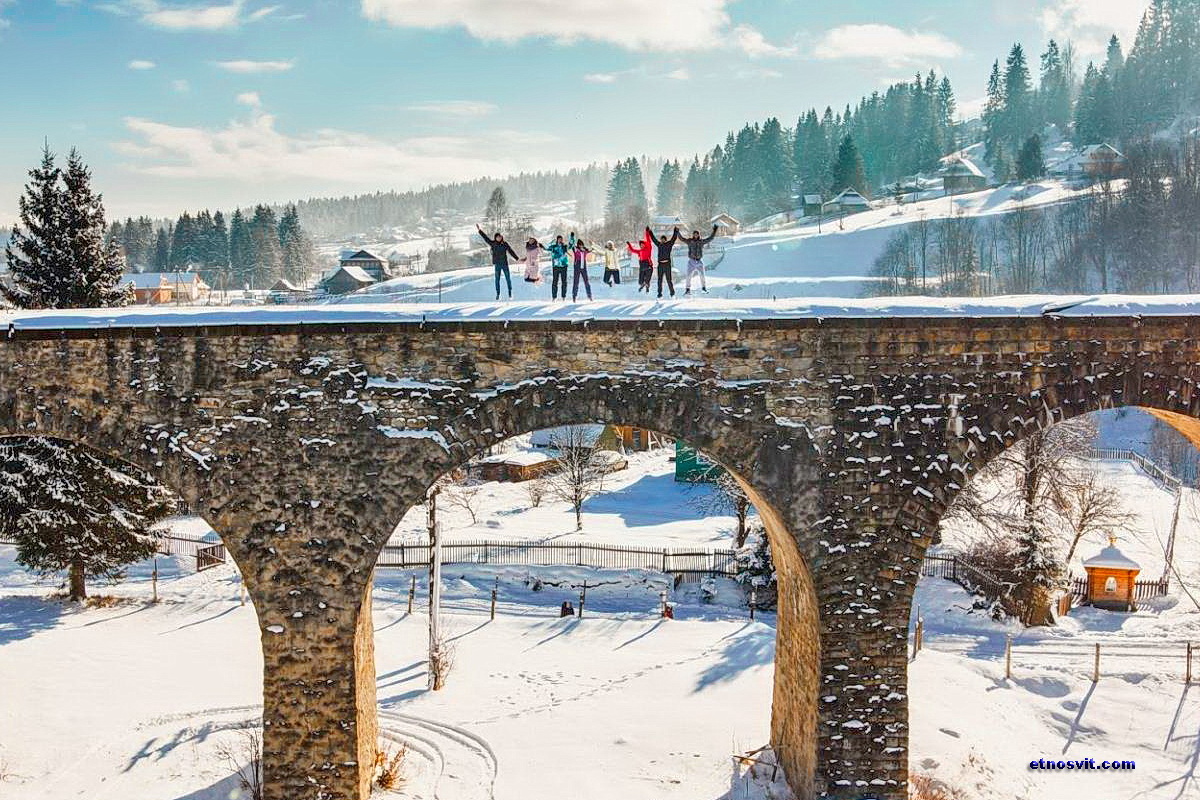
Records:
x=559, y=261
x=665, y=245
x=500, y=253
x=695, y=246
x=581, y=252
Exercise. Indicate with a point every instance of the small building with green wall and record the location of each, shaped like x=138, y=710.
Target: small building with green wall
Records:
x=692, y=466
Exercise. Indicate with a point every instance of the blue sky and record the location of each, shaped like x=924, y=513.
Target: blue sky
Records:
x=190, y=104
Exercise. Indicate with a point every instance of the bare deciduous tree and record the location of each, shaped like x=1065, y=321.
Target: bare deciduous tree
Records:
x=718, y=493
x=581, y=471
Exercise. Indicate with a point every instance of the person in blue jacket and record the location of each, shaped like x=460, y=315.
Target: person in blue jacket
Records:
x=559, y=261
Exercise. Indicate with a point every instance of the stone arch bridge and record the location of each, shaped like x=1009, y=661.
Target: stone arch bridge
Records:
x=304, y=436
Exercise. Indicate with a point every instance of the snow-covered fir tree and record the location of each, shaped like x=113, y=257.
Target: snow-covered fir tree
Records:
x=59, y=255
x=70, y=509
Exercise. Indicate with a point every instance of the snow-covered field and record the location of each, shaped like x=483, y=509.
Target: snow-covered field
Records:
x=134, y=700
x=803, y=259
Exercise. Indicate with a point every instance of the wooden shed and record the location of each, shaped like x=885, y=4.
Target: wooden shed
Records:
x=1112, y=579
x=636, y=440
x=516, y=467
x=726, y=224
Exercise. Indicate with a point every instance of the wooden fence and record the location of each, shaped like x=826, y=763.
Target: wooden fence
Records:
x=564, y=554
x=1149, y=467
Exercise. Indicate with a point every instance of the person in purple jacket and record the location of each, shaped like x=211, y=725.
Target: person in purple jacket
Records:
x=581, y=252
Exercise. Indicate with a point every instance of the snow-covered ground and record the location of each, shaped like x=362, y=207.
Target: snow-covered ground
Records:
x=134, y=700
x=803, y=259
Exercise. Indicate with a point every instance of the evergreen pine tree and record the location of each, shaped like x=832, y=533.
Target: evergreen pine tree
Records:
x=495, y=216
x=296, y=248
x=848, y=170
x=267, y=258
x=162, y=250
x=71, y=509
x=58, y=254
x=1018, y=116
x=1054, y=91
x=1030, y=163
x=668, y=196
x=241, y=251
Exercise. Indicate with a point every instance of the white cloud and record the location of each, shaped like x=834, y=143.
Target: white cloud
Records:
x=664, y=25
x=600, y=77
x=141, y=65
x=266, y=11
x=193, y=18
x=456, y=108
x=255, y=152
x=885, y=43
x=751, y=42
x=680, y=74
x=250, y=99
x=247, y=67
x=1090, y=23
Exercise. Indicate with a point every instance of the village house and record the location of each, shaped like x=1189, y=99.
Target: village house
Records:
x=848, y=202
x=1111, y=579
x=346, y=279
x=663, y=225
x=157, y=288
x=963, y=175
x=726, y=225
x=813, y=203
x=371, y=264
x=516, y=467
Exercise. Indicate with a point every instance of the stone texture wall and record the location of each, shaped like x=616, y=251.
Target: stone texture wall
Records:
x=305, y=445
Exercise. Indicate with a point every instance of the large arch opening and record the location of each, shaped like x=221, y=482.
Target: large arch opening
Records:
x=535, y=682
x=154, y=678
x=1109, y=514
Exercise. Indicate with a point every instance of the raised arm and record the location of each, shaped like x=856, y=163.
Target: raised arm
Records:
x=675, y=237
x=711, y=236
x=483, y=235
x=631, y=248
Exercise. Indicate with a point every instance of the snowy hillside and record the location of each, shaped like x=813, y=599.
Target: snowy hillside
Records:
x=801, y=259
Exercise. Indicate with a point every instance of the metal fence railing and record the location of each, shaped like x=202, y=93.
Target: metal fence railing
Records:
x=1149, y=467
x=564, y=554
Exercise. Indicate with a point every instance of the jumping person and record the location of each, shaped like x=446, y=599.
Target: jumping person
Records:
x=612, y=269
x=559, y=260
x=533, y=260
x=644, y=252
x=581, y=251
x=665, y=245
x=695, y=246
x=500, y=253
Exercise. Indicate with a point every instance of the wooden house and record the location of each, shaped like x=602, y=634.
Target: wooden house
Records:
x=849, y=201
x=347, y=279
x=1102, y=162
x=149, y=288
x=636, y=440
x=962, y=175
x=813, y=204
x=516, y=467
x=726, y=225
x=692, y=466
x=1111, y=579
x=664, y=224
x=369, y=263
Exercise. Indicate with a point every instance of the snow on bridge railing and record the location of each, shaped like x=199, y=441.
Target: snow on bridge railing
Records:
x=1149, y=467
x=1031, y=306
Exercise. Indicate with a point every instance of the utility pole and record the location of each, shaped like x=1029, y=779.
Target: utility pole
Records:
x=435, y=594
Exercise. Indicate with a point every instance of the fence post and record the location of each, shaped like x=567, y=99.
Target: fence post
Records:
x=412, y=593
x=1187, y=679
x=753, y=602
x=920, y=634
x=1008, y=656
x=495, y=589
x=582, y=598
x=664, y=569
x=1096, y=668
x=154, y=580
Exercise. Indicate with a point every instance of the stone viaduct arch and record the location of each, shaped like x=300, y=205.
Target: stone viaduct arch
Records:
x=305, y=443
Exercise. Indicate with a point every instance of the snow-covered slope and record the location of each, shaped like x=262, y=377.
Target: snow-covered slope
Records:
x=803, y=259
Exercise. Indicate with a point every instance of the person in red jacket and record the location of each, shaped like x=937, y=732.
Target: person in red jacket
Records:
x=645, y=256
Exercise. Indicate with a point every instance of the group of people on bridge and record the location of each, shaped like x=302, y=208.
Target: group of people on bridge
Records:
x=573, y=250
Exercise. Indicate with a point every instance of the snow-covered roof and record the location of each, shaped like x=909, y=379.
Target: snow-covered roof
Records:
x=521, y=458
x=803, y=308
x=361, y=255
x=671, y=219
x=1106, y=149
x=552, y=436
x=813, y=199
x=723, y=217
x=357, y=273
x=849, y=197
x=284, y=285
x=963, y=167
x=1111, y=558
x=144, y=280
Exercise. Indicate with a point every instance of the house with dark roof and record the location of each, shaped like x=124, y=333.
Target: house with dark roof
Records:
x=848, y=202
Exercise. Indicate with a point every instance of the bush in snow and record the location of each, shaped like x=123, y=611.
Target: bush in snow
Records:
x=244, y=757
x=69, y=508
x=756, y=570
x=389, y=767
